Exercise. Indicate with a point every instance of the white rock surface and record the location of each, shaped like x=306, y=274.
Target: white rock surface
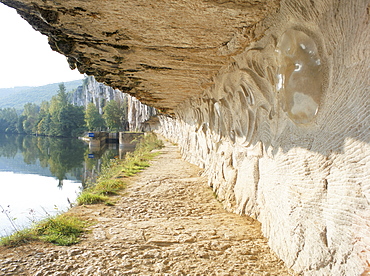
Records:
x=97, y=93
x=139, y=114
x=304, y=174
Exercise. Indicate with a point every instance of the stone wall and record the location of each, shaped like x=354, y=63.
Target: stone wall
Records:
x=283, y=135
x=271, y=98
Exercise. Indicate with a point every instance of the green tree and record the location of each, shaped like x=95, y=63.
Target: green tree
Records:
x=20, y=121
x=112, y=114
x=8, y=120
x=57, y=103
x=94, y=120
x=71, y=120
x=43, y=125
x=31, y=114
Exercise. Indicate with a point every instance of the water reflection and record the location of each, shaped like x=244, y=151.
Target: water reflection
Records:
x=62, y=158
x=45, y=174
x=47, y=156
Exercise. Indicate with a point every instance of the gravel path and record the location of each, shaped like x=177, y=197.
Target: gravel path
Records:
x=166, y=223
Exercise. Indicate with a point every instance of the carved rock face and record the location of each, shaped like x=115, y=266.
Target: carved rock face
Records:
x=276, y=111
x=300, y=76
x=284, y=135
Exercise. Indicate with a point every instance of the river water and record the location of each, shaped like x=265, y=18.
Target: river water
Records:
x=41, y=176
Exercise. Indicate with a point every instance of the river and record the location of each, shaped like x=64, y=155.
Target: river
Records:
x=42, y=176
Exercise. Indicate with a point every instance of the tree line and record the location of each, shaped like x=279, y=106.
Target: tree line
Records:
x=58, y=117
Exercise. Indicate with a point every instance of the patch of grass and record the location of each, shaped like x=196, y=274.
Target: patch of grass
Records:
x=139, y=159
x=110, y=181
x=109, y=186
x=18, y=238
x=135, y=163
x=87, y=198
x=63, y=229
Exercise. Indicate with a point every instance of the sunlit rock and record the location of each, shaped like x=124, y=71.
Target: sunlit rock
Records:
x=300, y=76
x=271, y=98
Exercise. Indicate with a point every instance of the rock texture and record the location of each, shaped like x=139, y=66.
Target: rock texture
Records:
x=168, y=223
x=284, y=135
x=148, y=48
x=270, y=98
x=139, y=114
x=97, y=93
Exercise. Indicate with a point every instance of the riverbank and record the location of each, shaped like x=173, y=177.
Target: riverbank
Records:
x=166, y=222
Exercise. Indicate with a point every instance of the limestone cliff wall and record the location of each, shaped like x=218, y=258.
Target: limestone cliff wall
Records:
x=98, y=93
x=139, y=114
x=271, y=98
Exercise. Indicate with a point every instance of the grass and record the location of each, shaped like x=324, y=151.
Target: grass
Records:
x=87, y=198
x=63, y=229
x=18, y=238
x=111, y=178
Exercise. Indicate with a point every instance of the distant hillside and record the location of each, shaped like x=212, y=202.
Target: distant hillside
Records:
x=17, y=97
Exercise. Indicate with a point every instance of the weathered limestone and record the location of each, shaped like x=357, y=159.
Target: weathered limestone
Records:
x=98, y=93
x=139, y=114
x=271, y=100
x=284, y=135
x=162, y=52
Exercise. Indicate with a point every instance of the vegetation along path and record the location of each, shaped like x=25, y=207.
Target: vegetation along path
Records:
x=166, y=223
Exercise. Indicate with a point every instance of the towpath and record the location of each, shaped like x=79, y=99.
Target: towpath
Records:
x=166, y=223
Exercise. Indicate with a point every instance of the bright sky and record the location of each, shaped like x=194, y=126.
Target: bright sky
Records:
x=25, y=55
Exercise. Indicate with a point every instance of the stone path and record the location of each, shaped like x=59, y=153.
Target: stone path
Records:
x=167, y=223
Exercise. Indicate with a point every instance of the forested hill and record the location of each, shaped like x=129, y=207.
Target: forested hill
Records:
x=17, y=97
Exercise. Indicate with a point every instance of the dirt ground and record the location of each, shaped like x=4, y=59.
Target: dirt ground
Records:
x=167, y=222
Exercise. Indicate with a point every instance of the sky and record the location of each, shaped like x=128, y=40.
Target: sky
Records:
x=26, y=58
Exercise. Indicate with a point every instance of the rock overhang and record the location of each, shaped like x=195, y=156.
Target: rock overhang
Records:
x=283, y=134
x=162, y=52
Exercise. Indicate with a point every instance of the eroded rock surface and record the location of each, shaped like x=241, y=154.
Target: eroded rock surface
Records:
x=271, y=99
x=283, y=135
x=169, y=223
x=139, y=114
x=162, y=52
x=97, y=93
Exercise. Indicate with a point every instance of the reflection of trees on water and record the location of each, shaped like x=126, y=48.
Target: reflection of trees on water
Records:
x=94, y=165
x=61, y=156
x=65, y=158
x=8, y=150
